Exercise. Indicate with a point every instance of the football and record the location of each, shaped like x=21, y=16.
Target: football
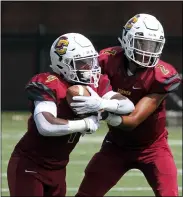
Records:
x=76, y=90
x=80, y=90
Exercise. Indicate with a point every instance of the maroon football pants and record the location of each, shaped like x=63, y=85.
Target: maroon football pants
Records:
x=108, y=166
x=27, y=179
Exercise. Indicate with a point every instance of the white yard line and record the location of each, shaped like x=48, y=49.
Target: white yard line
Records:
x=133, y=173
x=175, y=142
x=118, y=189
x=100, y=139
x=9, y=136
x=179, y=154
x=82, y=162
x=85, y=139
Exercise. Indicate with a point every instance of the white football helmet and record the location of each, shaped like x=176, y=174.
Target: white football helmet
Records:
x=143, y=40
x=74, y=56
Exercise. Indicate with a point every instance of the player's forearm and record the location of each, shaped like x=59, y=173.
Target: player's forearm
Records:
x=117, y=103
x=124, y=106
x=143, y=109
x=128, y=123
x=51, y=126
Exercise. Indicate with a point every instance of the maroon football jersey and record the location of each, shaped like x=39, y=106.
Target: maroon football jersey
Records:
x=163, y=78
x=51, y=152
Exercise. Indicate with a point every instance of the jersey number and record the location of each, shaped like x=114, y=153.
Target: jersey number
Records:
x=163, y=69
x=51, y=78
x=110, y=52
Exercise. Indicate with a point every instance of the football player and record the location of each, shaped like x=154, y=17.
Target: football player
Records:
x=37, y=166
x=137, y=140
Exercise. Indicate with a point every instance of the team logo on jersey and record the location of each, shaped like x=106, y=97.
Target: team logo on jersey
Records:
x=61, y=45
x=110, y=52
x=131, y=22
x=124, y=92
x=51, y=78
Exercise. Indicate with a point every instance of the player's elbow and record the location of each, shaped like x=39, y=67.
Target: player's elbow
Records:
x=43, y=130
x=43, y=126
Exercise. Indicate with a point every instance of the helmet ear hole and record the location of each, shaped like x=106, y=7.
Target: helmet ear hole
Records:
x=61, y=67
x=60, y=58
x=139, y=34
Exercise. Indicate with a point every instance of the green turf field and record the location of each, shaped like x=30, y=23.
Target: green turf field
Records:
x=132, y=184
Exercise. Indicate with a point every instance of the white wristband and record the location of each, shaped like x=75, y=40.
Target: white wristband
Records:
x=77, y=125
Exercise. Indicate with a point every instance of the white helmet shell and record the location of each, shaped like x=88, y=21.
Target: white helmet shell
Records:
x=69, y=52
x=143, y=40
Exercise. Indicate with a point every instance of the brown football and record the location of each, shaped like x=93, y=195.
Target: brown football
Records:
x=76, y=90
x=80, y=90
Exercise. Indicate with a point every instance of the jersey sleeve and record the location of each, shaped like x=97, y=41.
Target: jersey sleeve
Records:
x=104, y=85
x=166, y=79
x=44, y=87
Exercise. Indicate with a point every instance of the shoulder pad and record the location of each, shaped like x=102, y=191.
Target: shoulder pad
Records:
x=110, y=59
x=45, y=86
x=166, y=77
x=164, y=69
x=44, y=78
x=111, y=51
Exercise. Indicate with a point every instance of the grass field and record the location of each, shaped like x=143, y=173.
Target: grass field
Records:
x=132, y=184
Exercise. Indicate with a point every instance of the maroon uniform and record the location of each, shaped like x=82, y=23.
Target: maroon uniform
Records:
x=145, y=147
x=38, y=163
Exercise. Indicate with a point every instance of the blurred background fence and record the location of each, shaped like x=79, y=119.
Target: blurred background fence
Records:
x=29, y=28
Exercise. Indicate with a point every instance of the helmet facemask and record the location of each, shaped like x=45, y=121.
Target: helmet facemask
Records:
x=143, y=51
x=85, y=70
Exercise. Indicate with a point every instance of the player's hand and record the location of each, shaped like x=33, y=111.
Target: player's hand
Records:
x=92, y=124
x=87, y=104
x=113, y=119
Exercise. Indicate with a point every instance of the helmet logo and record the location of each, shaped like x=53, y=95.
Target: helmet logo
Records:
x=131, y=22
x=61, y=45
